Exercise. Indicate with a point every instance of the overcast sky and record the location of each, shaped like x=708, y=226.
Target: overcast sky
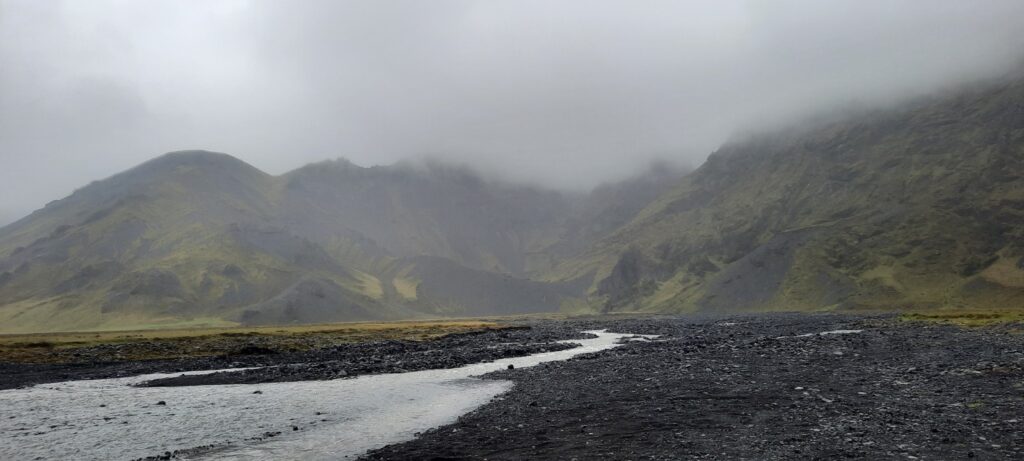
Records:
x=567, y=93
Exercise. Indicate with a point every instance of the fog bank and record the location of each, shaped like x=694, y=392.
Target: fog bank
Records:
x=567, y=93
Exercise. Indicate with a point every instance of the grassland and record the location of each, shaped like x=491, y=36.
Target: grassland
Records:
x=201, y=342
x=967, y=317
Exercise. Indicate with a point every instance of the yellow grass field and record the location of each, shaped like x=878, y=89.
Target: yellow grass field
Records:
x=198, y=342
x=967, y=317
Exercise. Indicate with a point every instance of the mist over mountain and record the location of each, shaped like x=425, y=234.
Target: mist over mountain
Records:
x=494, y=158
x=565, y=94
x=915, y=206
x=519, y=229
x=200, y=238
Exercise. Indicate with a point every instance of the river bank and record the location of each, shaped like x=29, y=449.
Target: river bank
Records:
x=760, y=387
x=776, y=386
x=311, y=419
x=347, y=351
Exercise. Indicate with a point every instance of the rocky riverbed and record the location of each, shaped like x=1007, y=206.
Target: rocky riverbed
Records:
x=329, y=361
x=780, y=386
x=382, y=357
x=766, y=387
x=313, y=419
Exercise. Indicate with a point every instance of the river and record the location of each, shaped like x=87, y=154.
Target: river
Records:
x=334, y=419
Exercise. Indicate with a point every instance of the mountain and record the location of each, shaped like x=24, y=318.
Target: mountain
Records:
x=918, y=206
x=201, y=238
x=921, y=206
x=178, y=239
x=428, y=209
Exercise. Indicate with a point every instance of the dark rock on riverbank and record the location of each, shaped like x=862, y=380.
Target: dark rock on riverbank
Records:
x=334, y=361
x=757, y=388
x=780, y=386
x=371, y=358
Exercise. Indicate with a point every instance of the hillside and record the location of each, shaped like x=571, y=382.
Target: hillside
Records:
x=411, y=210
x=200, y=238
x=917, y=207
x=180, y=239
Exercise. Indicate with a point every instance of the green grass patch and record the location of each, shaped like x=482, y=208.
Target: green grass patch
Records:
x=204, y=342
x=967, y=317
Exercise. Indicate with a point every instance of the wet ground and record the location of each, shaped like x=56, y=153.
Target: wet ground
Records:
x=309, y=420
x=743, y=387
x=326, y=362
x=758, y=388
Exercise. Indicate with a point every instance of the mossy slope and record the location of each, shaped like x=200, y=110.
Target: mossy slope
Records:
x=917, y=207
x=202, y=238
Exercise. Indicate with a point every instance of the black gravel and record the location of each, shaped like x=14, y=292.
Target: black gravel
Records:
x=745, y=388
x=381, y=357
x=345, y=360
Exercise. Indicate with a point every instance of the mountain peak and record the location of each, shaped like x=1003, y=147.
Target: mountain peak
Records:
x=195, y=158
x=171, y=164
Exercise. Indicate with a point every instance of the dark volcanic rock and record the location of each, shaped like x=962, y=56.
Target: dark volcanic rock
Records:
x=370, y=358
x=328, y=362
x=751, y=388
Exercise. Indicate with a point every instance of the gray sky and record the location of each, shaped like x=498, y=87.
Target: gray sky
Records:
x=565, y=93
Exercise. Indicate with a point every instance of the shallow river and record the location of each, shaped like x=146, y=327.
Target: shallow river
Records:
x=107, y=419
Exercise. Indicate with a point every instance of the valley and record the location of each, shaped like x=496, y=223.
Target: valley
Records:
x=773, y=385
x=915, y=207
x=525, y=230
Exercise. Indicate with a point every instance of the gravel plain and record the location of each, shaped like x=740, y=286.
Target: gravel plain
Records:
x=775, y=386
x=757, y=387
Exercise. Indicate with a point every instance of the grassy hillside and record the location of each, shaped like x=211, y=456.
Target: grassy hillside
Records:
x=202, y=239
x=919, y=207
x=409, y=210
x=179, y=240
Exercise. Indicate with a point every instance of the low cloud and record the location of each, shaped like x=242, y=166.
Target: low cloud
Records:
x=565, y=93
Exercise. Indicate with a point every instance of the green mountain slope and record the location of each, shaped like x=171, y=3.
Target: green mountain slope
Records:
x=182, y=238
x=199, y=238
x=412, y=210
x=918, y=207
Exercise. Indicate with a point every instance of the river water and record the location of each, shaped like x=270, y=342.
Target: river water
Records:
x=336, y=419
